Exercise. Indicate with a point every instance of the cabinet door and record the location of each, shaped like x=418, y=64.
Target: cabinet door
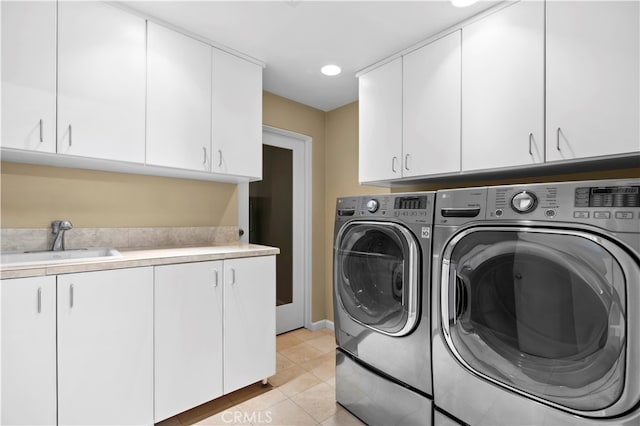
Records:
x=593, y=57
x=178, y=100
x=105, y=347
x=236, y=116
x=101, y=82
x=188, y=336
x=503, y=88
x=249, y=321
x=28, y=351
x=431, y=108
x=380, y=117
x=29, y=75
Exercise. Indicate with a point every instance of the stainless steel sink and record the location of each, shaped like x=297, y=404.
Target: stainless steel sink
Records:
x=56, y=257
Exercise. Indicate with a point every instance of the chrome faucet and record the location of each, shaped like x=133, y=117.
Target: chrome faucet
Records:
x=58, y=227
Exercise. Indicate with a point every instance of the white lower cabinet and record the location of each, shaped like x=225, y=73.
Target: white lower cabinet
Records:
x=214, y=330
x=188, y=336
x=137, y=345
x=28, y=333
x=249, y=321
x=105, y=347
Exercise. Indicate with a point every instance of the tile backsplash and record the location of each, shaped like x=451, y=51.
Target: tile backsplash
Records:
x=14, y=239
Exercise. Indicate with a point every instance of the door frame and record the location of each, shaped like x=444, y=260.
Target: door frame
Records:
x=303, y=238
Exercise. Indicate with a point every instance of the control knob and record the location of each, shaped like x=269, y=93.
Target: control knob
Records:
x=373, y=205
x=524, y=202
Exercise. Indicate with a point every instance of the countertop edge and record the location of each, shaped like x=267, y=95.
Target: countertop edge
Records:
x=143, y=258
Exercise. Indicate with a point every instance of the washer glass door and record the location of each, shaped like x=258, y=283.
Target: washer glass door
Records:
x=376, y=275
x=542, y=312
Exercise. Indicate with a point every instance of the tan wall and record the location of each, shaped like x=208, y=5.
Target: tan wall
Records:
x=289, y=115
x=341, y=179
x=603, y=174
x=32, y=196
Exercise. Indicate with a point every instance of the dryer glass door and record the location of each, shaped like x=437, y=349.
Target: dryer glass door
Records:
x=542, y=312
x=376, y=275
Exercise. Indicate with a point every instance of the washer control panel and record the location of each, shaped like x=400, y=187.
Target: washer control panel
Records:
x=408, y=207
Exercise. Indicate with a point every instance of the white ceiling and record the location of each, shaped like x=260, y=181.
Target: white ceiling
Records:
x=294, y=38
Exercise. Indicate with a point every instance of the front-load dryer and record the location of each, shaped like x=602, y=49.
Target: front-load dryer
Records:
x=536, y=304
x=382, y=257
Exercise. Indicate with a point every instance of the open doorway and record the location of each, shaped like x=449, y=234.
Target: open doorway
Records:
x=279, y=216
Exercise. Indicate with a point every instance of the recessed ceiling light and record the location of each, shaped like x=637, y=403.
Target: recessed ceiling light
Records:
x=331, y=70
x=463, y=3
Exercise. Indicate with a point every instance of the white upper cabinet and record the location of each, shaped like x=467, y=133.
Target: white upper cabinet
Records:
x=503, y=88
x=431, y=108
x=178, y=100
x=101, y=82
x=236, y=116
x=92, y=81
x=380, y=116
x=29, y=75
x=28, y=330
x=593, y=57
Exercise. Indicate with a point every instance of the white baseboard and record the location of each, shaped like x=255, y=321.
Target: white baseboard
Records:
x=318, y=325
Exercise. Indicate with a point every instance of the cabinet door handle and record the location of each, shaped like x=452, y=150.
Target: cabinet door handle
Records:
x=41, y=132
x=406, y=161
x=39, y=299
x=70, y=140
x=71, y=296
x=219, y=158
x=530, y=143
x=215, y=273
x=204, y=153
x=394, y=160
x=558, y=139
x=233, y=276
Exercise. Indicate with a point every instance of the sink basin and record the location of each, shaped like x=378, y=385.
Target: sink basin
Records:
x=63, y=256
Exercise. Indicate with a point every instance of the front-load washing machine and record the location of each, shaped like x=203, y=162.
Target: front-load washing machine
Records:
x=382, y=255
x=536, y=303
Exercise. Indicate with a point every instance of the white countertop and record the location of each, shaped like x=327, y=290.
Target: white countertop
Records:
x=139, y=258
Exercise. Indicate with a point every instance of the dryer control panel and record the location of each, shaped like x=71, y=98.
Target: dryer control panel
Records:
x=523, y=201
x=612, y=205
x=607, y=196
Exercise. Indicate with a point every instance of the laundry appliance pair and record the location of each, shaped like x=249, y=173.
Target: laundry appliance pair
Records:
x=526, y=311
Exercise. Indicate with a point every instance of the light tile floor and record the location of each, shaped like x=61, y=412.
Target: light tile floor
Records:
x=301, y=393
